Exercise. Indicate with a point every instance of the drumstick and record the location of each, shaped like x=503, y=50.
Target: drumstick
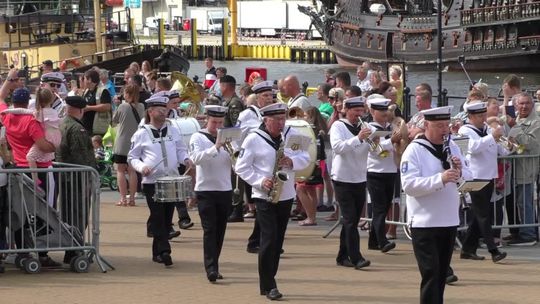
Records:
x=185, y=173
x=154, y=167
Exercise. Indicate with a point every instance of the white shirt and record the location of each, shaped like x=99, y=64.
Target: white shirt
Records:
x=257, y=159
x=378, y=164
x=482, y=152
x=430, y=203
x=365, y=85
x=300, y=101
x=213, y=166
x=146, y=152
x=249, y=120
x=349, y=161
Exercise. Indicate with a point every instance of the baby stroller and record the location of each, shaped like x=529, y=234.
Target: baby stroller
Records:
x=39, y=227
x=106, y=171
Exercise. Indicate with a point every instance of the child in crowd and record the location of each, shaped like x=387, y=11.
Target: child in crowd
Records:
x=99, y=150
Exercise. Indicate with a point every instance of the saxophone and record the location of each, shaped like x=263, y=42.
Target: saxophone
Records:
x=279, y=177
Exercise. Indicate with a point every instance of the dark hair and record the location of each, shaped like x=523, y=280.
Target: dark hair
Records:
x=137, y=79
x=318, y=121
x=152, y=75
x=92, y=75
x=164, y=83
x=512, y=80
x=222, y=69
x=326, y=87
x=425, y=87
x=344, y=77
x=383, y=86
x=355, y=91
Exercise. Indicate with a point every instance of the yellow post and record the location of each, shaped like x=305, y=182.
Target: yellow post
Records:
x=97, y=26
x=194, y=38
x=234, y=20
x=161, y=32
x=225, y=38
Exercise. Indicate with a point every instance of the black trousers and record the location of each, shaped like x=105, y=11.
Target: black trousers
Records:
x=381, y=191
x=479, y=220
x=160, y=221
x=433, y=251
x=213, y=209
x=254, y=239
x=273, y=219
x=351, y=198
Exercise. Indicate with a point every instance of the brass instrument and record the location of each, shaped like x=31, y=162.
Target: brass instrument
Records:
x=279, y=177
x=399, y=126
x=373, y=145
x=495, y=122
x=295, y=113
x=188, y=92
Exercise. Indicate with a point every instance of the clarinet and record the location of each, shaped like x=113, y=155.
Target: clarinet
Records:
x=446, y=148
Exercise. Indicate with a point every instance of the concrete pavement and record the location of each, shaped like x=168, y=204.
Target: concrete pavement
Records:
x=307, y=274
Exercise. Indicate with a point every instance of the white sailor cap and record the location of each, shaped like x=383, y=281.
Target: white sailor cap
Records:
x=215, y=111
x=53, y=77
x=354, y=102
x=157, y=101
x=262, y=86
x=274, y=109
x=378, y=102
x=173, y=94
x=440, y=113
x=160, y=94
x=475, y=107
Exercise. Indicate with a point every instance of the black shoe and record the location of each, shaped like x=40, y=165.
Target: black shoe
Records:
x=451, y=279
x=389, y=246
x=497, y=256
x=521, y=242
x=149, y=234
x=212, y=276
x=345, y=263
x=47, y=262
x=362, y=263
x=470, y=256
x=372, y=247
x=185, y=224
x=166, y=258
x=173, y=234
x=157, y=259
x=235, y=219
x=274, y=294
x=253, y=249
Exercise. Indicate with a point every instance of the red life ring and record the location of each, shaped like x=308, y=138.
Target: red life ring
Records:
x=68, y=64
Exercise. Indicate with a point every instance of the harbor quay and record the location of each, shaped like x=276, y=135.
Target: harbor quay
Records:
x=307, y=272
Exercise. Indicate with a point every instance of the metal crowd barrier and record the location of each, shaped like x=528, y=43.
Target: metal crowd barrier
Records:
x=59, y=213
x=510, y=210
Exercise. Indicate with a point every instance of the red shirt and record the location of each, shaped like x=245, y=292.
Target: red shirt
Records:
x=22, y=131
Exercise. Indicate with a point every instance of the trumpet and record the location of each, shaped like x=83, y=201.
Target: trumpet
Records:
x=510, y=145
x=374, y=147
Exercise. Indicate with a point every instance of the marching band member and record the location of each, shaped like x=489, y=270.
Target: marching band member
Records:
x=213, y=187
x=257, y=165
x=482, y=158
x=350, y=151
x=429, y=181
x=381, y=173
x=156, y=150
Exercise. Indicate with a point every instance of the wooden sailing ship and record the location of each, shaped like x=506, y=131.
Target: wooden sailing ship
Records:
x=492, y=35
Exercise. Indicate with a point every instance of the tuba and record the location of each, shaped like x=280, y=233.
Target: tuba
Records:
x=295, y=113
x=188, y=92
x=279, y=177
x=399, y=126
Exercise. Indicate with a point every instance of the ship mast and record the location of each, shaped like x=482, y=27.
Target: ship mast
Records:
x=440, y=101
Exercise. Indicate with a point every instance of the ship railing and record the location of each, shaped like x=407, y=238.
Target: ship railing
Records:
x=500, y=13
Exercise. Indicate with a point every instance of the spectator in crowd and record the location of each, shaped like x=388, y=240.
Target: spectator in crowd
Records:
x=163, y=84
x=107, y=82
x=135, y=67
x=525, y=131
x=143, y=94
x=151, y=79
x=46, y=67
x=128, y=74
x=97, y=113
x=281, y=94
x=329, y=77
x=215, y=88
x=363, y=78
x=325, y=108
x=209, y=63
x=127, y=118
x=396, y=81
x=291, y=86
x=146, y=68
x=343, y=80
x=353, y=91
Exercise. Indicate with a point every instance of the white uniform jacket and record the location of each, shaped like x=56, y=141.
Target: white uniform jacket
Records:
x=349, y=161
x=482, y=152
x=257, y=159
x=146, y=151
x=378, y=164
x=430, y=203
x=213, y=165
x=249, y=120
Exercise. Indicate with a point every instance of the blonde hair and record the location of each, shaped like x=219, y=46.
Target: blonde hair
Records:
x=44, y=99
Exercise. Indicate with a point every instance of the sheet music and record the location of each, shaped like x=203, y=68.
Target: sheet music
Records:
x=298, y=142
x=228, y=134
x=469, y=186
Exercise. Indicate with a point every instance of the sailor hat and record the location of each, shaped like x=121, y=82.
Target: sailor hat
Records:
x=158, y=101
x=215, y=111
x=274, y=109
x=475, y=107
x=354, y=102
x=173, y=94
x=440, y=113
x=378, y=102
x=262, y=86
x=53, y=77
x=160, y=94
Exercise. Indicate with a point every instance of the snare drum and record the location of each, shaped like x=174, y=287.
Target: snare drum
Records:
x=171, y=189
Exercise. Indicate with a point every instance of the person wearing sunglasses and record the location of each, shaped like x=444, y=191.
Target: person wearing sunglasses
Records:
x=430, y=183
x=53, y=81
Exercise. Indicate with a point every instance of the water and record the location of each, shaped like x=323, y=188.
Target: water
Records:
x=455, y=82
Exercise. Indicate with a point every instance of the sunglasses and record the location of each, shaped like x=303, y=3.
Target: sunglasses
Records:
x=55, y=85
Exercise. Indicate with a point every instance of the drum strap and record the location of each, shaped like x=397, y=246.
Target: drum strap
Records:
x=159, y=136
x=353, y=129
x=164, y=152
